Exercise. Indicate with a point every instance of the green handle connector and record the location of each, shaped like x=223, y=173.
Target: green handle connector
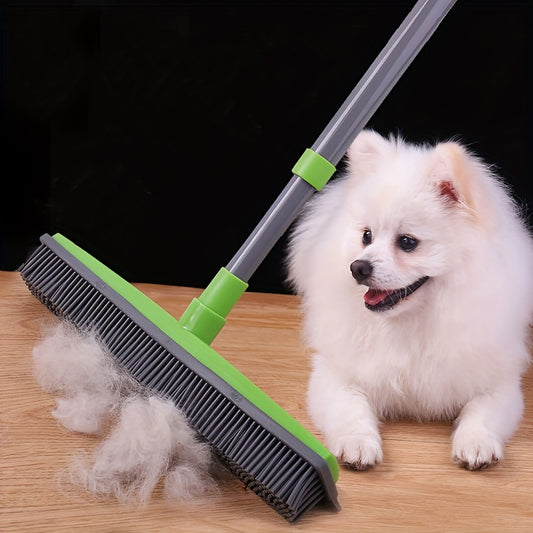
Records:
x=314, y=169
x=206, y=315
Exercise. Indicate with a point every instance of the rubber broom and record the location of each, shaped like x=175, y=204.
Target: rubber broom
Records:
x=267, y=449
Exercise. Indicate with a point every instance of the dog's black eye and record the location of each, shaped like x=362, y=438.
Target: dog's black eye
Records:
x=407, y=243
x=367, y=237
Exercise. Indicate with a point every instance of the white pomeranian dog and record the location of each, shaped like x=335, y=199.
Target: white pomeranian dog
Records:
x=415, y=271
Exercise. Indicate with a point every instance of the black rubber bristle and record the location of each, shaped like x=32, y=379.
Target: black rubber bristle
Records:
x=267, y=458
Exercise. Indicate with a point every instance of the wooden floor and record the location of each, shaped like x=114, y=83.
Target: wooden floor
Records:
x=417, y=488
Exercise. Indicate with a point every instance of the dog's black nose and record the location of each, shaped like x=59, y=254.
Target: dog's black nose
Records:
x=361, y=270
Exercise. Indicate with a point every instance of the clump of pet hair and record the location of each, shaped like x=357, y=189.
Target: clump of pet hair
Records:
x=75, y=365
x=150, y=441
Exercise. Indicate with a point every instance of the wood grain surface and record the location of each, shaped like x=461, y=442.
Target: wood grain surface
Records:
x=417, y=488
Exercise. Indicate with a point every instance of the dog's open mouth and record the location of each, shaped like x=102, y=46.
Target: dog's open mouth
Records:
x=383, y=300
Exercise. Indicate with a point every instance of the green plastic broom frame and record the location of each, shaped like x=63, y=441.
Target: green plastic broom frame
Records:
x=316, y=166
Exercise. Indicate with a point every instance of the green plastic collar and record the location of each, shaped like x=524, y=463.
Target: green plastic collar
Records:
x=314, y=169
x=206, y=315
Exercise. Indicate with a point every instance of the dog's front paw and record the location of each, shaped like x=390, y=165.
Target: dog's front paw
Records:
x=475, y=449
x=358, y=451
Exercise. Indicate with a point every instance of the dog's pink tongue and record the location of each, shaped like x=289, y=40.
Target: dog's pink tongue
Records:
x=373, y=296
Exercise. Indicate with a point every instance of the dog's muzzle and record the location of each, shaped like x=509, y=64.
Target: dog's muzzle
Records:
x=381, y=299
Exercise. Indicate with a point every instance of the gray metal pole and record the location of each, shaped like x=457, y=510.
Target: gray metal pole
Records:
x=349, y=120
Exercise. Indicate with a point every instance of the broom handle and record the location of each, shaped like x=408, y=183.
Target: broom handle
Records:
x=349, y=120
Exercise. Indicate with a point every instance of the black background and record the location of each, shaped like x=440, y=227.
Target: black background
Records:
x=156, y=135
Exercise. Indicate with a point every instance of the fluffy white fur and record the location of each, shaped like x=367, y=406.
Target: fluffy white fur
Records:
x=150, y=440
x=75, y=365
x=454, y=349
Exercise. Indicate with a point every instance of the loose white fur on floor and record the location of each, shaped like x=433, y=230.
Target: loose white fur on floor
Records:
x=149, y=440
x=415, y=270
x=74, y=365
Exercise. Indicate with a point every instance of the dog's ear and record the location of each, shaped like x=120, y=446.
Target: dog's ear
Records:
x=459, y=178
x=365, y=152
